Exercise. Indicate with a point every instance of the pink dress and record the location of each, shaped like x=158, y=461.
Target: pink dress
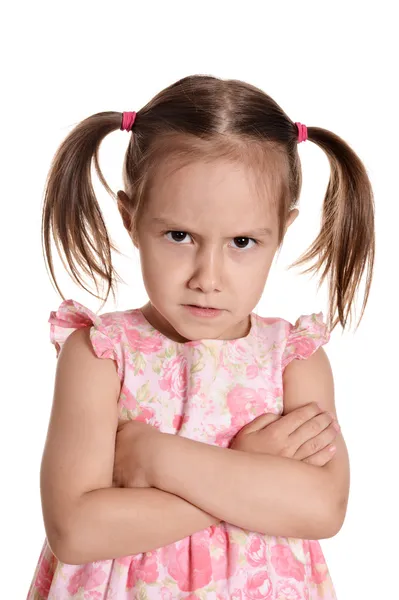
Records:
x=205, y=390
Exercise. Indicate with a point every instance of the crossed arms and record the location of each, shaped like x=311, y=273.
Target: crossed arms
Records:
x=193, y=484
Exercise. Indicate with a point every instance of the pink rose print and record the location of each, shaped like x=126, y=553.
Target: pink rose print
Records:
x=144, y=568
x=146, y=415
x=317, y=563
x=224, y=438
x=237, y=595
x=259, y=587
x=127, y=399
x=316, y=552
x=195, y=387
x=189, y=562
x=285, y=564
x=44, y=577
x=145, y=344
x=233, y=354
x=225, y=563
x=256, y=553
x=179, y=420
x=174, y=377
x=252, y=371
x=102, y=344
x=87, y=577
x=304, y=346
x=305, y=337
x=166, y=594
x=245, y=404
x=286, y=591
x=124, y=560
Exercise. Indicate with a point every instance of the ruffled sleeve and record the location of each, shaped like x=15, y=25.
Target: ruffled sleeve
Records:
x=305, y=337
x=105, y=336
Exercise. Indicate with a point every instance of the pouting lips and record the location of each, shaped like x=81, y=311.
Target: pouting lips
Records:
x=204, y=307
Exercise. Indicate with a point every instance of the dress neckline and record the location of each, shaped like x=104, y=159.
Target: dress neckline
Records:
x=203, y=341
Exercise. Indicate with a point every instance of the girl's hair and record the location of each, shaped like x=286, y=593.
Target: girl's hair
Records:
x=204, y=117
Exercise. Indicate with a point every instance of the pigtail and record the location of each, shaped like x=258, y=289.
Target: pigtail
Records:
x=345, y=247
x=71, y=213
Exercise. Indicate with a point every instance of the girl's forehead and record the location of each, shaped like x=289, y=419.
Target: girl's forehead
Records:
x=213, y=186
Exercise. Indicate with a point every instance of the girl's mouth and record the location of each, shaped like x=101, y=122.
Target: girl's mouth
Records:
x=202, y=311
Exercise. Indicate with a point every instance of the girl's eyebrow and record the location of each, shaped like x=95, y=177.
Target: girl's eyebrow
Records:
x=263, y=231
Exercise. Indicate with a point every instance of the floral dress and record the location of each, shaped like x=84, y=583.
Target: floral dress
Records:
x=205, y=390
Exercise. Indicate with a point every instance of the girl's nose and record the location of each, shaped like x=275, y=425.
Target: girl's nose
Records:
x=207, y=275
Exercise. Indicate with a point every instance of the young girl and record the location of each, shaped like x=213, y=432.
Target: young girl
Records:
x=193, y=449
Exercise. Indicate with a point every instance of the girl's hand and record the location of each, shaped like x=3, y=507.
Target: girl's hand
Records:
x=134, y=447
x=305, y=434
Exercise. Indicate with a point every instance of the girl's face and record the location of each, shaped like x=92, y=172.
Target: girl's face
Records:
x=206, y=238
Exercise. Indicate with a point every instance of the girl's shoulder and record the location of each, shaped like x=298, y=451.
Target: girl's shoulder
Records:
x=297, y=340
x=109, y=332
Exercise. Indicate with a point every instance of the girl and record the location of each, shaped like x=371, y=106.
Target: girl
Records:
x=189, y=451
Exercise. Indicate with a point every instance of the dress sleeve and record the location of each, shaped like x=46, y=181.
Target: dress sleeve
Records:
x=105, y=336
x=305, y=337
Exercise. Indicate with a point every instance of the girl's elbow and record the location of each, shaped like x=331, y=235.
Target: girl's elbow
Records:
x=59, y=547
x=340, y=514
x=334, y=519
x=55, y=535
x=64, y=545
x=68, y=552
x=324, y=521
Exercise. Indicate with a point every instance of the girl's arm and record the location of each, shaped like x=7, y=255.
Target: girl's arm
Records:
x=85, y=518
x=274, y=495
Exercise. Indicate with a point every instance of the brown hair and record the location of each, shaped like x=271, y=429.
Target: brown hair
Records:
x=203, y=116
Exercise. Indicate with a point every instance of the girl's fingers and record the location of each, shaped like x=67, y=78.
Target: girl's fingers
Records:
x=309, y=431
x=322, y=457
x=260, y=422
x=295, y=419
x=317, y=443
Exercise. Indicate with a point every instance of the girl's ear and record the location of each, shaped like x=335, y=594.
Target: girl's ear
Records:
x=292, y=215
x=123, y=207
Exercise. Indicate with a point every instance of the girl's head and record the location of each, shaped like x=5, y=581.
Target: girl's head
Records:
x=207, y=237
x=212, y=179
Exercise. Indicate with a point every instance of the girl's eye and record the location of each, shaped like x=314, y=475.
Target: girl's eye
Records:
x=182, y=236
x=242, y=242
x=177, y=236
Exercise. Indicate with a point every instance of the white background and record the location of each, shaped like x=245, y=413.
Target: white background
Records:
x=331, y=65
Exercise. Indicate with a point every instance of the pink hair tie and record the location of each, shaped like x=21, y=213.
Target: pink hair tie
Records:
x=302, y=132
x=128, y=119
